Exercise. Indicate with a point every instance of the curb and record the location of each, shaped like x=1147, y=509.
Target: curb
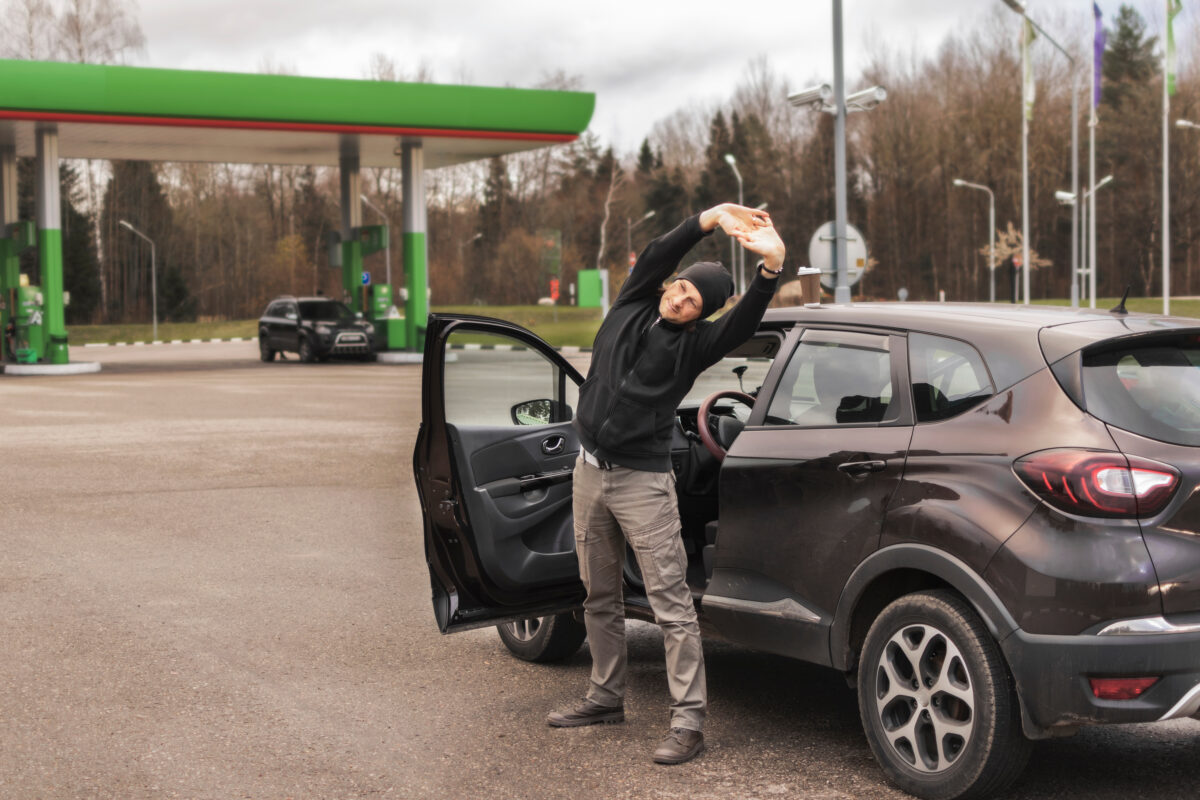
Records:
x=163, y=341
x=76, y=368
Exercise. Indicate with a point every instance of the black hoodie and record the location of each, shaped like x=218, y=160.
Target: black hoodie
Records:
x=643, y=366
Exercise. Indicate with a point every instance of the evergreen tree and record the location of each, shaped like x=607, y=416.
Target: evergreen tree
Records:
x=81, y=265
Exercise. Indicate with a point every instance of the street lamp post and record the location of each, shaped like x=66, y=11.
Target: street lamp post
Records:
x=153, y=275
x=463, y=265
x=733, y=251
x=834, y=100
x=387, y=243
x=1019, y=7
x=992, y=228
x=1073, y=199
x=630, y=225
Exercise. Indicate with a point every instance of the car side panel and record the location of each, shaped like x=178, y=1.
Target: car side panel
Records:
x=959, y=492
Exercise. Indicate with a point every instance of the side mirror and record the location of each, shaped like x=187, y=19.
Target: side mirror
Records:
x=540, y=412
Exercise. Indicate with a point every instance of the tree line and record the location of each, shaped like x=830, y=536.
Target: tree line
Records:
x=229, y=237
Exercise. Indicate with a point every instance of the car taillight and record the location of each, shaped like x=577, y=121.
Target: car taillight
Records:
x=1096, y=483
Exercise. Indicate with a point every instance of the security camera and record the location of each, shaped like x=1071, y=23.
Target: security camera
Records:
x=866, y=99
x=1065, y=198
x=817, y=95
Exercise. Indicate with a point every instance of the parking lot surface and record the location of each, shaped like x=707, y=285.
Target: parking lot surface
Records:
x=212, y=585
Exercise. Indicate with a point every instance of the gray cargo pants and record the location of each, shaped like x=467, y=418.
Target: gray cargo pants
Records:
x=643, y=506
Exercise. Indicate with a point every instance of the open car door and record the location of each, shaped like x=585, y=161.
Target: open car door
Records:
x=493, y=465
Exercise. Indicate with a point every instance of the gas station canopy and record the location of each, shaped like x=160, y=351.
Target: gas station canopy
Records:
x=113, y=112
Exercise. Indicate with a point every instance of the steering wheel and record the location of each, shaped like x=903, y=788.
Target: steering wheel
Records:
x=706, y=436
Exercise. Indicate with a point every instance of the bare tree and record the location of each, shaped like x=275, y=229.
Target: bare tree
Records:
x=31, y=26
x=99, y=31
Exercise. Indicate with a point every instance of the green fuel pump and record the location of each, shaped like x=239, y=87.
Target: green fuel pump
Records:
x=15, y=239
x=29, y=329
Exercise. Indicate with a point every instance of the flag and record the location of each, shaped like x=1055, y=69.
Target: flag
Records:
x=1098, y=56
x=1173, y=8
x=1030, y=88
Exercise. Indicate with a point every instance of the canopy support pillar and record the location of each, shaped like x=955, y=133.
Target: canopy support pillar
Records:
x=416, y=277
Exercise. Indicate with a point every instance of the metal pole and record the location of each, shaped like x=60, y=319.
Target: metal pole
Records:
x=992, y=256
x=1024, y=170
x=153, y=292
x=842, y=292
x=1166, y=179
x=1075, y=192
x=737, y=259
x=1092, y=212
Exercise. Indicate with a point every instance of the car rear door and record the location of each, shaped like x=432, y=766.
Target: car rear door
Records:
x=493, y=465
x=805, y=487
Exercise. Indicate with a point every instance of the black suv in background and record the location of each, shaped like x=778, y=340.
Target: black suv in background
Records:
x=315, y=328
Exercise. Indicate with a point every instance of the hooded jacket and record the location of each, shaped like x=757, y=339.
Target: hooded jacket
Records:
x=643, y=366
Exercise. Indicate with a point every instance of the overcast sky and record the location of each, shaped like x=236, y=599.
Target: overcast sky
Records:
x=642, y=58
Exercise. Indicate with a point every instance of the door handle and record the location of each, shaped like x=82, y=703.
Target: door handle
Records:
x=857, y=468
x=553, y=445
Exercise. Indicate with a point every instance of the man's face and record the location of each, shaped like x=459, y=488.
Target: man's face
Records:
x=681, y=303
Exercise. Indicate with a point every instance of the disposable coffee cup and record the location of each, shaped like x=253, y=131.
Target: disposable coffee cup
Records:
x=810, y=286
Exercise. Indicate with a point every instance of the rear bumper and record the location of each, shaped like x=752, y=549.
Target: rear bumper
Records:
x=1052, y=673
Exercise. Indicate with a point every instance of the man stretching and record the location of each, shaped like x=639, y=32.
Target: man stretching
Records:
x=648, y=352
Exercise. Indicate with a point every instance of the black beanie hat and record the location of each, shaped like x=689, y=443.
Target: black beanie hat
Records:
x=713, y=281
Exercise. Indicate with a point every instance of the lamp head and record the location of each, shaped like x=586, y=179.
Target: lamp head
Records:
x=125, y=224
x=729, y=159
x=959, y=182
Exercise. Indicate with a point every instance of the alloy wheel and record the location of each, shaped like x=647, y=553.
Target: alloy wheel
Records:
x=523, y=630
x=924, y=698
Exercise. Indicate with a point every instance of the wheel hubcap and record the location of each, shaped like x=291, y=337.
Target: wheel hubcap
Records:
x=524, y=629
x=924, y=698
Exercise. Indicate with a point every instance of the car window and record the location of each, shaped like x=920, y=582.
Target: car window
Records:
x=1150, y=387
x=948, y=376
x=273, y=310
x=497, y=380
x=328, y=310
x=751, y=360
x=830, y=383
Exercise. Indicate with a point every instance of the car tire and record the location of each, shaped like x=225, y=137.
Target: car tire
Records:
x=308, y=353
x=543, y=639
x=264, y=350
x=937, y=701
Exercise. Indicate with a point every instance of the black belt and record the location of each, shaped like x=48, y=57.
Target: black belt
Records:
x=596, y=462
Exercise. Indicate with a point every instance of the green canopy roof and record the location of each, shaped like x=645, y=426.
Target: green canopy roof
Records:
x=179, y=115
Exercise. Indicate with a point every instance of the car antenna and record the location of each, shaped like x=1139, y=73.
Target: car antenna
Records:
x=1119, y=308
x=740, y=371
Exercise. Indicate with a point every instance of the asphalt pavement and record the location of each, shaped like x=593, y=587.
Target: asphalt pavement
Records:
x=212, y=585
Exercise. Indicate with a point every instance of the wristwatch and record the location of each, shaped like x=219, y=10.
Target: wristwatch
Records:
x=762, y=265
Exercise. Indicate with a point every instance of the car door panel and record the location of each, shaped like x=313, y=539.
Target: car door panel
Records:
x=495, y=495
x=803, y=502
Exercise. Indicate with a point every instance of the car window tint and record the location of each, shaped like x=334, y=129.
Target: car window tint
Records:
x=329, y=310
x=273, y=310
x=496, y=380
x=829, y=383
x=948, y=376
x=1150, y=387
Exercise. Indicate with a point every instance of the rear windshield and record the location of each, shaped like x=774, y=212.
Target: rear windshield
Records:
x=1150, y=387
x=324, y=310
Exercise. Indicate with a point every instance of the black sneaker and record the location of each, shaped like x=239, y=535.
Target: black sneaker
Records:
x=680, y=745
x=587, y=713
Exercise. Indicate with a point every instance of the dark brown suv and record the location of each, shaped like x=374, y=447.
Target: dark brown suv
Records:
x=987, y=516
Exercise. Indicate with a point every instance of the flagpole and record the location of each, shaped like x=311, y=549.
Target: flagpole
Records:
x=1091, y=222
x=1166, y=200
x=1025, y=159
